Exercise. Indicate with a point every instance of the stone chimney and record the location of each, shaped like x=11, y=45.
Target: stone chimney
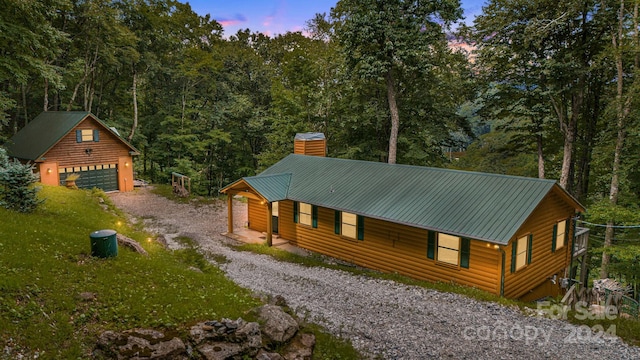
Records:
x=311, y=143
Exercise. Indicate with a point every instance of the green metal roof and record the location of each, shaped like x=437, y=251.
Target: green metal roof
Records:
x=272, y=187
x=43, y=132
x=481, y=206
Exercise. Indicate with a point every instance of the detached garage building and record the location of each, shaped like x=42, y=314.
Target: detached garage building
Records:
x=64, y=142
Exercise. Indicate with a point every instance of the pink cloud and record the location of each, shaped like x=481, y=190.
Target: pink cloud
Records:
x=267, y=21
x=235, y=20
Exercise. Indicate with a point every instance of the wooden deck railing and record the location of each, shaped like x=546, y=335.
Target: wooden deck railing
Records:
x=181, y=184
x=581, y=241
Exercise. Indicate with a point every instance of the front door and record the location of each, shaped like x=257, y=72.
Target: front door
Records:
x=274, y=217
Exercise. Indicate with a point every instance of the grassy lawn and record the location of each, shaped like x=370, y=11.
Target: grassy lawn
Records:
x=45, y=266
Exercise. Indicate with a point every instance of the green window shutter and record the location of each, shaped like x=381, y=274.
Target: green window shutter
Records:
x=529, y=248
x=553, y=238
x=96, y=135
x=295, y=212
x=314, y=216
x=514, y=249
x=79, y=136
x=465, y=251
x=360, y=221
x=337, y=222
x=431, y=245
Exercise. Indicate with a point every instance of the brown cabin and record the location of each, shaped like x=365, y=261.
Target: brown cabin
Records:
x=61, y=143
x=508, y=235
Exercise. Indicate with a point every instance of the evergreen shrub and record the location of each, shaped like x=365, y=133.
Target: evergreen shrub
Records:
x=17, y=190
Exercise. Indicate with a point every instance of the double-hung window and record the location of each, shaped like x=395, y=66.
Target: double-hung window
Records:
x=559, y=235
x=448, y=249
x=521, y=252
x=305, y=214
x=349, y=225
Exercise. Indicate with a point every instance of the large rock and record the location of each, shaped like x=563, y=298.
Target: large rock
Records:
x=226, y=339
x=265, y=355
x=300, y=348
x=278, y=325
x=140, y=344
x=221, y=351
x=215, y=340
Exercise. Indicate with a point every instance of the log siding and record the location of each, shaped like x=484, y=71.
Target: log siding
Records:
x=392, y=247
x=386, y=247
x=544, y=263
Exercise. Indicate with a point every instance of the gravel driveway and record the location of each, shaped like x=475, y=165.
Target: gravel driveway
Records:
x=382, y=318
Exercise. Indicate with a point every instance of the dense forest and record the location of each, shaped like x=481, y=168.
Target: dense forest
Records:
x=548, y=90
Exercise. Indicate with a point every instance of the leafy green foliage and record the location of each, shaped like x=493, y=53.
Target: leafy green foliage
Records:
x=17, y=189
x=625, y=252
x=401, y=45
x=497, y=153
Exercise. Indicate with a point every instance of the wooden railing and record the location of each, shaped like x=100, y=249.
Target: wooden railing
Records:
x=181, y=184
x=581, y=241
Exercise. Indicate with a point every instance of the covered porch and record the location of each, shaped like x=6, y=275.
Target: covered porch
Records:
x=267, y=190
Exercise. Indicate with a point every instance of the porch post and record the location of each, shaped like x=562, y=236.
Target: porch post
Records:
x=230, y=213
x=269, y=223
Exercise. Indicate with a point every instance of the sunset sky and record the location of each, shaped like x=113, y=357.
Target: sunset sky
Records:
x=274, y=17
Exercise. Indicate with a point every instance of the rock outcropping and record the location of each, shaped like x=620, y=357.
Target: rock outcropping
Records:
x=215, y=340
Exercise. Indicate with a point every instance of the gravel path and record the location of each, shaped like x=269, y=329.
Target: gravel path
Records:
x=382, y=318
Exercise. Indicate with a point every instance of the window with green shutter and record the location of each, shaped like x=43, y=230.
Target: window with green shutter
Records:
x=86, y=135
x=521, y=251
x=307, y=214
x=448, y=249
x=560, y=235
x=349, y=225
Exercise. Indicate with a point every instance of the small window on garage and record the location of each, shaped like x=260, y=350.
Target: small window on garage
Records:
x=87, y=135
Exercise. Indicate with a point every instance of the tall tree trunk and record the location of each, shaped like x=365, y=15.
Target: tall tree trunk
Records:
x=135, y=106
x=622, y=110
x=56, y=101
x=587, y=140
x=45, y=106
x=566, y=159
x=92, y=91
x=183, y=110
x=395, y=118
x=540, y=157
x=74, y=94
x=566, y=127
x=24, y=104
